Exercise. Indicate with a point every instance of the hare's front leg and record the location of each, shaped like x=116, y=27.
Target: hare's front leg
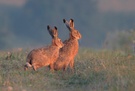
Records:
x=52, y=67
x=71, y=64
x=65, y=66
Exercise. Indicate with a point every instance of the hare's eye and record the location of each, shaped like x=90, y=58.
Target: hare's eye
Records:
x=77, y=32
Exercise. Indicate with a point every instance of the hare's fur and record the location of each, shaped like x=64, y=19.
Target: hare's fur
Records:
x=45, y=56
x=70, y=48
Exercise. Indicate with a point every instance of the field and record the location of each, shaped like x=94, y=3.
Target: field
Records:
x=95, y=70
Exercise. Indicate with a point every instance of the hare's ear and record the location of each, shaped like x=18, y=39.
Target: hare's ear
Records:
x=50, y=31
x=71, y=23
x=48, y=27
x=55, y=32
x=55, y=27
x=67, y=24
x=64, y=21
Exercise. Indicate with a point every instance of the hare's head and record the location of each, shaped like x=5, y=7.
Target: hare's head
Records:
x=73, y=32
x=54, y=34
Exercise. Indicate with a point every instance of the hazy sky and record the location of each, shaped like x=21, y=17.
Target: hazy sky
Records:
x=103, y=5
x=13, y=2
x=116, y=5
x=99, y=20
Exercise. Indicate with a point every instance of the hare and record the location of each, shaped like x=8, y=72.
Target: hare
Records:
x=70, y=49
x=45, y=56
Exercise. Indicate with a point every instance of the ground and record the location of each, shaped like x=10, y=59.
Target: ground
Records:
x=95, y=70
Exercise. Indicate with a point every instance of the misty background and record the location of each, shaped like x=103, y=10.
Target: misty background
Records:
x=102, y=23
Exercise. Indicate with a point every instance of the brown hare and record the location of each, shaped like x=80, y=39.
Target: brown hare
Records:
x=45, y=56
x=70, y=48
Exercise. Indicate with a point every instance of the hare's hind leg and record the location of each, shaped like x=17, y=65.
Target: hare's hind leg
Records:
x=35, y=67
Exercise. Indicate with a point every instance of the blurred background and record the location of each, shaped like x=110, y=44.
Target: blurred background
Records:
x=103, y=23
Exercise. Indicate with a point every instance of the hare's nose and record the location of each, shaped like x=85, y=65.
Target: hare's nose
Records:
x=80, y=36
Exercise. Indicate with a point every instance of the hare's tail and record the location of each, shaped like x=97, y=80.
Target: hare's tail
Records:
x=27, y=65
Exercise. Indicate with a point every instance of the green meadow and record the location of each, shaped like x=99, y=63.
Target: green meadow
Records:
x=95, y=70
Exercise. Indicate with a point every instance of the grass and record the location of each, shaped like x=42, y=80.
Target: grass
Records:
x=95, y=70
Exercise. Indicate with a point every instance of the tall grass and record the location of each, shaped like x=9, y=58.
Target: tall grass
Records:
x=95, y=70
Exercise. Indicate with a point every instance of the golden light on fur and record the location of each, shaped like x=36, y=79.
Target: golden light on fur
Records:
x=70, y=48
x=45, y=56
